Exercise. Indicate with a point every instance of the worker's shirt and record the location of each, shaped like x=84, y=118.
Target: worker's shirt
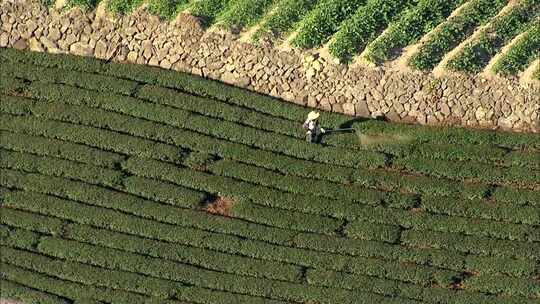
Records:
x=309, y=125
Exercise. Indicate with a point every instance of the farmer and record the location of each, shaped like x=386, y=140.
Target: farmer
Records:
x=311, y=125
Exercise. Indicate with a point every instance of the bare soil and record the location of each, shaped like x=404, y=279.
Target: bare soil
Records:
x=219, y=206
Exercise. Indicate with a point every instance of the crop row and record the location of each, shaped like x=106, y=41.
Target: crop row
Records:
x=309, y=206
x=357, y=265
x=454, y=31
x=280, y=163
x=364, y=26
x=251, y=118
x=379, y=214
x=193, y=179
x=450, y=135
x=164, y=197
x=216, y=90
x=521, y=54
x=119, y=282
x=132, y=263
x=212, y=147
x=168, y=194
x=411, y=26
x=208, y=10
x=324, y=20
x=171, y=118
x=475, y=56
x=285, y=15
x=12, y=290
x=472, y=244
x=391, y=270
x=470, y=170
x=404, y=201
x=244, y=13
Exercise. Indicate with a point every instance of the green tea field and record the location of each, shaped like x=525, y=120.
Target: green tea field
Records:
x=131, y=184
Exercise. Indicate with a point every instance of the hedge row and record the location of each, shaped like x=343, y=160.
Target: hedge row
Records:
x=69, y=289
x=97, y=196
x=364, y=26
x=444, y=223
x=320, y=260
x=188, y=83
x=93, y=137
x=476, y=55
x=251, y=157
x=323, y=21
x=245, y=13
x=39, y=223
x=285, y=16
x=411, y=26
x=299, y=185
x=205, y=258
x=205, y=125
x=184, y=198
x=283, y=164
x=521, y=196
x=519, y=287
x=450, y=135
x=520, y=54
x=61, y=149
x=208, y=10
x=482, y=209
x=454, y=31
x=116, y=281
x=121, y=222
x=12, y=290
x=469, y=170
x=472, y=244
x=439, y=293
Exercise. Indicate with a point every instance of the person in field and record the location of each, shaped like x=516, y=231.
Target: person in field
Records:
x=311, y=125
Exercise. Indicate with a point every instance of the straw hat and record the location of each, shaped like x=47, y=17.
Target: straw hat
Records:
x=313, y=115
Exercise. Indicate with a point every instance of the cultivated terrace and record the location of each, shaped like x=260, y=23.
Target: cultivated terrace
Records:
x=432, y=62
x=130, y=184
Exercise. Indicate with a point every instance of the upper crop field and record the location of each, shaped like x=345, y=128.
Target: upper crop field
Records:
x=379, y=30
x=130, y=184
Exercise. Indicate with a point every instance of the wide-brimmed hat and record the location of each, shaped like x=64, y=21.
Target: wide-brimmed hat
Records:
x=313, y=115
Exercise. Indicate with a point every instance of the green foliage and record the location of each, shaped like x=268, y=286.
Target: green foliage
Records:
x=475, y=56
x=244, y=13
x=84, y=4
x=208, y=10
x=520, y=54
x=285, y=17
x=455, y=30
x=323, y=21
x=11, y=290
x=123, y=6
x=167, y=9
x=410, y=26
x=364, y=26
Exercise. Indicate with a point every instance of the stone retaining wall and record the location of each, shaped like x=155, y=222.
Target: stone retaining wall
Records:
x=295, y=75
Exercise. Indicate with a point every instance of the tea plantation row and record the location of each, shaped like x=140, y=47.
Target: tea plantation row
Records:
x=106, y=169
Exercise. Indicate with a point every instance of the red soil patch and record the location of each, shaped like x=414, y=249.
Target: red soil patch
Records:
x=219, y=205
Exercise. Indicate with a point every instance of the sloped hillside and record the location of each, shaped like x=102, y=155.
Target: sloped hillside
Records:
x=458, y=35
x=130, y=184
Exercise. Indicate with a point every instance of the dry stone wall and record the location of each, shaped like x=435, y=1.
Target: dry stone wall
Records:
x=296, y=76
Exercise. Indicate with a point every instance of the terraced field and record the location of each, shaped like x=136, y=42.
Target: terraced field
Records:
x=129, y=184
x=472, y=36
